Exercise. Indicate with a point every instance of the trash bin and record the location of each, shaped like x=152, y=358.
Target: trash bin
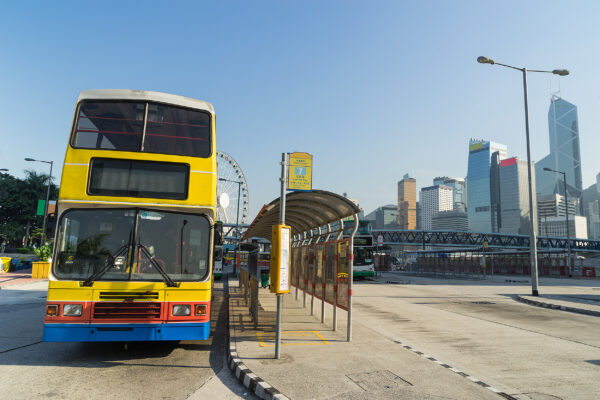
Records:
x=14, y=264
x=264, y=278
x=5, y=266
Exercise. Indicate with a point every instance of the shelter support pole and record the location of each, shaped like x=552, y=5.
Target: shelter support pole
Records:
x=310, y=242
x=299, y=262
x=312, y=284
x=350, y=278
x=335, y=280
x=323, y=276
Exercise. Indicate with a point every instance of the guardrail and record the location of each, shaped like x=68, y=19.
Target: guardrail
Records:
x=251, y=279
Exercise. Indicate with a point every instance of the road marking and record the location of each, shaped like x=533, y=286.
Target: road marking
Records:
x=292, y=338
x=457, y=371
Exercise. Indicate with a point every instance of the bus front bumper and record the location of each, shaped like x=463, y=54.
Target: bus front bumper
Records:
x=125, y=332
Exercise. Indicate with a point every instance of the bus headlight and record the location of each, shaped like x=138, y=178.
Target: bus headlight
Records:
x=200, y=309
x=72, y=310
x=181, y=310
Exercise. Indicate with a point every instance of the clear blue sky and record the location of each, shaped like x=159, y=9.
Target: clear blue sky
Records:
x=372, y=89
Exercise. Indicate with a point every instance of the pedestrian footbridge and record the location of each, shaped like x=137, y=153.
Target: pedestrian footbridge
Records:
x=477, y=239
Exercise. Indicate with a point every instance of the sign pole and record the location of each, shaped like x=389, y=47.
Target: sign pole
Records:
x=282, y=222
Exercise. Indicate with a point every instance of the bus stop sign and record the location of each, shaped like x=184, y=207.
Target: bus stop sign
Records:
x=300, y=172
x=280, y=259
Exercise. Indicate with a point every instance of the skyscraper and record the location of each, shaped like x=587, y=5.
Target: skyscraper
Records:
x=407, y=203
x=514, y=197
x=483, y=185
x=459, y=190
x=433, y=200
x=564, y=151
x=454, y=220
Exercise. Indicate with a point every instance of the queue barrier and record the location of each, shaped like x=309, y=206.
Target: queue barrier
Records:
x=253, y=275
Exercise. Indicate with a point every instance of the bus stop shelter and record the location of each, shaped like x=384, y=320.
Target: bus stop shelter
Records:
x=322, y=257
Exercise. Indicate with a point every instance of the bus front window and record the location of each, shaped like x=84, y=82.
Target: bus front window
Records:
x=177, y=242
x=363, y=256
x=87, y=240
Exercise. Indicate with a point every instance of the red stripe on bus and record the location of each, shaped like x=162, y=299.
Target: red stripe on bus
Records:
x=137, y=133
x=173, y=137
x=111, y=132
x=141, y=121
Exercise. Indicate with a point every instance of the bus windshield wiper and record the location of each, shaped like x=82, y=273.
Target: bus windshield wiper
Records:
x=169, y=282
x=109, y=264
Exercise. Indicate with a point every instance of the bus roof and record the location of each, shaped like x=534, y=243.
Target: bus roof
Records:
x=143, y=95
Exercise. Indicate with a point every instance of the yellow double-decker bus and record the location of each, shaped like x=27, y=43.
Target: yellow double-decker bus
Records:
x=135, y=228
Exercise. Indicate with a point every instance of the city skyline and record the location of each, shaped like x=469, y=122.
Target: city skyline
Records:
x=406, y=105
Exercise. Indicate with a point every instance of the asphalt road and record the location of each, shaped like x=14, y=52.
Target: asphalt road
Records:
x=479, y=328
x=30, y=368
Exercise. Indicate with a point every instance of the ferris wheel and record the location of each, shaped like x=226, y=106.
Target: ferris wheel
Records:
x=232, y=190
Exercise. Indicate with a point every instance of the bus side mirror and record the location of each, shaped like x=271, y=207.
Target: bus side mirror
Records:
x=218, y=233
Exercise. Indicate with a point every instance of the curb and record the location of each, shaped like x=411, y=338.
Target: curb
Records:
x=557, y=307
x=249, y=379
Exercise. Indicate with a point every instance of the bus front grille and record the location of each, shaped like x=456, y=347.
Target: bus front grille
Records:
x=129, y=295
x=127, y=310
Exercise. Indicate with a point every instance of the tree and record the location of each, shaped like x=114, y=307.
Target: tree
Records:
x=18, y=204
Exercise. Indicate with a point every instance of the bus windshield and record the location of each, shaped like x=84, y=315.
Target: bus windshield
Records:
x=132, y=245
x=363, y=256
x=142, y=126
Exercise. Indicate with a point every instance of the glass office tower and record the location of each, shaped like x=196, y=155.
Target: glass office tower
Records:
x=459, y=190
x=564, y=151
x=483, y=194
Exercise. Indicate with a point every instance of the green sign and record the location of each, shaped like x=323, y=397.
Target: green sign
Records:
x=41, y=207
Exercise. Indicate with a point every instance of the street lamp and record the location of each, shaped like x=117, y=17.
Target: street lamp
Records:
x=237, y=223
x=532, y=209
x=47, y=197
x=564, y=174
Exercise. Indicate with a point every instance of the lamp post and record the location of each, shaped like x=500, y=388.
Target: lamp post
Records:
x=237, y=223
x=532, y=208
x=47, y=197
x=564, y=174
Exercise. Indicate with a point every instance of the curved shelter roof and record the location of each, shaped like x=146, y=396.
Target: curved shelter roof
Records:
x=303, y=211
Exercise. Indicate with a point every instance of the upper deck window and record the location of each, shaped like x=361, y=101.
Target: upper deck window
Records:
x=110, y=125
x=142, y=126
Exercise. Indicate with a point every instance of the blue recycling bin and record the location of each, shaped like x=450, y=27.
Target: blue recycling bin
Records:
x=14, y=264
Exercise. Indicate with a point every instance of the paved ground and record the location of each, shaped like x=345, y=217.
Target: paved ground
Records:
x=32, y=369
x=413, y=338
x=478, y=327
x=409, y=331
x=318, y=363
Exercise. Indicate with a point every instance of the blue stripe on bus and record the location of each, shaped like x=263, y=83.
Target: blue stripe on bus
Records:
x=125, y=332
